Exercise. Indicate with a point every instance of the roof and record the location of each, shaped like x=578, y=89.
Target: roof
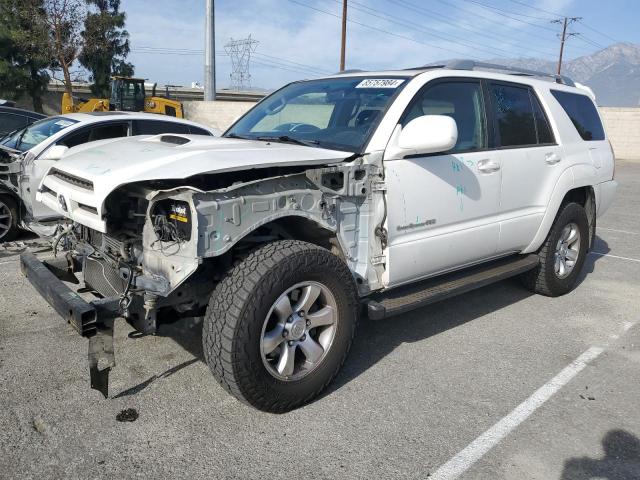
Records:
x=21, y=111
x=93, y=117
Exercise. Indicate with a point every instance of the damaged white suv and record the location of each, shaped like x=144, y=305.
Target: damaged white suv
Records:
x=381, y=190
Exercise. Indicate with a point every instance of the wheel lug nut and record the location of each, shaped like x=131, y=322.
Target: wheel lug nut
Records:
x=308, y=323
x=301, y=313
x=285, y=333
x=291, y=342
x=304, y=337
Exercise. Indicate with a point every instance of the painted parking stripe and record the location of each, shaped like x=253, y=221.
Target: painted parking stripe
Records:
x=485, y=442
x=614, y=256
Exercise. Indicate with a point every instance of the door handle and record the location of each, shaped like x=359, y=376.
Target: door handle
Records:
x=552, y=158
x=488, y=166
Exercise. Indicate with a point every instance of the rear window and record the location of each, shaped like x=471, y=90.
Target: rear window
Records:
x=582, y=113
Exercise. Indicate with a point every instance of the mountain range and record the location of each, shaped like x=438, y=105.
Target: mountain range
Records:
x=612, y=73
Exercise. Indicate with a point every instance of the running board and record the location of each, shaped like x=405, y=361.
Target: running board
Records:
x=406, y=298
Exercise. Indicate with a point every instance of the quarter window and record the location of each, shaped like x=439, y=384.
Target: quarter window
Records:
x=582, y=113
x=461, y=101
x=514, y=115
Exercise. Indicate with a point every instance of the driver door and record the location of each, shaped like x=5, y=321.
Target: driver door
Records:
x=442, y=208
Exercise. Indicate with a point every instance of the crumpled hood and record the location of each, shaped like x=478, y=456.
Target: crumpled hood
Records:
x=112, y=163
x=109, y=164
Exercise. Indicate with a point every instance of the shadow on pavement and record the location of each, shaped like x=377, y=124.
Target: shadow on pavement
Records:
x=375, y=340
x=621, y=460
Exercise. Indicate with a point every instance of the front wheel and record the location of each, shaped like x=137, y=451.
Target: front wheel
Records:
x=280, y=324
x=8, y=219
x=562, y=255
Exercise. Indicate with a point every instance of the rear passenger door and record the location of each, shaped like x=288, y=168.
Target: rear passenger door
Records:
x=531, y=161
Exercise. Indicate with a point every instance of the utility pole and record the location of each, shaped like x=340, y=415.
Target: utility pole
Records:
x=344, y=34
x=564, y=36
x=209, y=53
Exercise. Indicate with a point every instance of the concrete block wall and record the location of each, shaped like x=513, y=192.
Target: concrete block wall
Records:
x=219, y=114
x=623, y=128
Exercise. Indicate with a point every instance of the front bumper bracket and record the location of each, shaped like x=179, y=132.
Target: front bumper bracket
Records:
x=90, y=319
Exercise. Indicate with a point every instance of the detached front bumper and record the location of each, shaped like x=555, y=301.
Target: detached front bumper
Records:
x=90, y=319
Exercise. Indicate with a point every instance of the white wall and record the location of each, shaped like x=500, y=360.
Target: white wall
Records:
x=219, y=114
x=623, y=128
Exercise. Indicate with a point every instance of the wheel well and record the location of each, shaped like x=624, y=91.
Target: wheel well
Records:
x=286, y=228
x=585, y=197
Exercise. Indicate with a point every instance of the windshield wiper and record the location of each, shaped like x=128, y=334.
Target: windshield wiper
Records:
x=233, y=135
x=288, y=139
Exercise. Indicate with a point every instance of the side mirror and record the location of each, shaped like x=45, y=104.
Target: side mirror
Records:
x=425, y=134
x=54, y=152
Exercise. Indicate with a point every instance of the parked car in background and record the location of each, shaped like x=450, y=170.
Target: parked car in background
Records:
x=29, y=152
x=12, y=119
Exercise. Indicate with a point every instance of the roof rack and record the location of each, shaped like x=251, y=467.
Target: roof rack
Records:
x=475, y=65
x=353, y=70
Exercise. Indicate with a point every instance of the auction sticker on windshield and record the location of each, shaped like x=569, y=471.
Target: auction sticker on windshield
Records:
x=380, y=83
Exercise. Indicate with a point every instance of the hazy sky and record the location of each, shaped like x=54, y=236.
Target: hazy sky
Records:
x=301, y=38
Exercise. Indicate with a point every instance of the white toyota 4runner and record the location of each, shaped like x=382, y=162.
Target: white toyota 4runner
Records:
x=363, y=193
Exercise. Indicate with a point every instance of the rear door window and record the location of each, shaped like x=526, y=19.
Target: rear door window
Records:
x=155, y=127
x=514, y=117
x=582, y=113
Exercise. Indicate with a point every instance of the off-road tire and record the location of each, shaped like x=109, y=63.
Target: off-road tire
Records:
x=239, y=306
x=543, y=279
x=12, y=233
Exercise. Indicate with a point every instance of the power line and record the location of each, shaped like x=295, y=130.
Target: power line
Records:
x=370, y=27
x=515, y=44
x=560, y=15
x=507, y=11
x=269, y=58
x=415, y=26
x=506, y=14
x=599, y=32
x=494, y=21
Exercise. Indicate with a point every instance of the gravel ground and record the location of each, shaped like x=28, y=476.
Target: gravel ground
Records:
x=415, y=391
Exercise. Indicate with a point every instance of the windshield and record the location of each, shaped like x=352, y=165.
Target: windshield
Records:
x=338, y=113
x=36, y=133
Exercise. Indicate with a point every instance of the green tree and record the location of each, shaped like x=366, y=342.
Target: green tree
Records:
x=63, y=20
x=106, y=45
x=24, y=50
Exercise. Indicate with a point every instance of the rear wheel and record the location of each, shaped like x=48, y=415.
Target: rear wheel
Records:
x=8, y=219
x=280, y=324
x=563, y=253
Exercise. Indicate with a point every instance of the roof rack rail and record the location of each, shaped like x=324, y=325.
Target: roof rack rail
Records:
x=475, y=65
x=353, y=70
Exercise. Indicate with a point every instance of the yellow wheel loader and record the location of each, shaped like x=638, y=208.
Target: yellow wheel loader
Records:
x=127, y=94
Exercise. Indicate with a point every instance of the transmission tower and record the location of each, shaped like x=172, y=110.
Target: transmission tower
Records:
x=240, y=52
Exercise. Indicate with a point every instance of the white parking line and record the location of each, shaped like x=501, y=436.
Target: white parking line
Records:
x=489, y=439
x=621, y=231
x=7, y=263
x=459, y=464
x=614, y=256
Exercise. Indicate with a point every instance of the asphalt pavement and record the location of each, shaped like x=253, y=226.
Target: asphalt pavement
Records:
x=495, y=384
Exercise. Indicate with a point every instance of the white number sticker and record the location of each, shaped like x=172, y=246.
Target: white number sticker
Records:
x=380, y=83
